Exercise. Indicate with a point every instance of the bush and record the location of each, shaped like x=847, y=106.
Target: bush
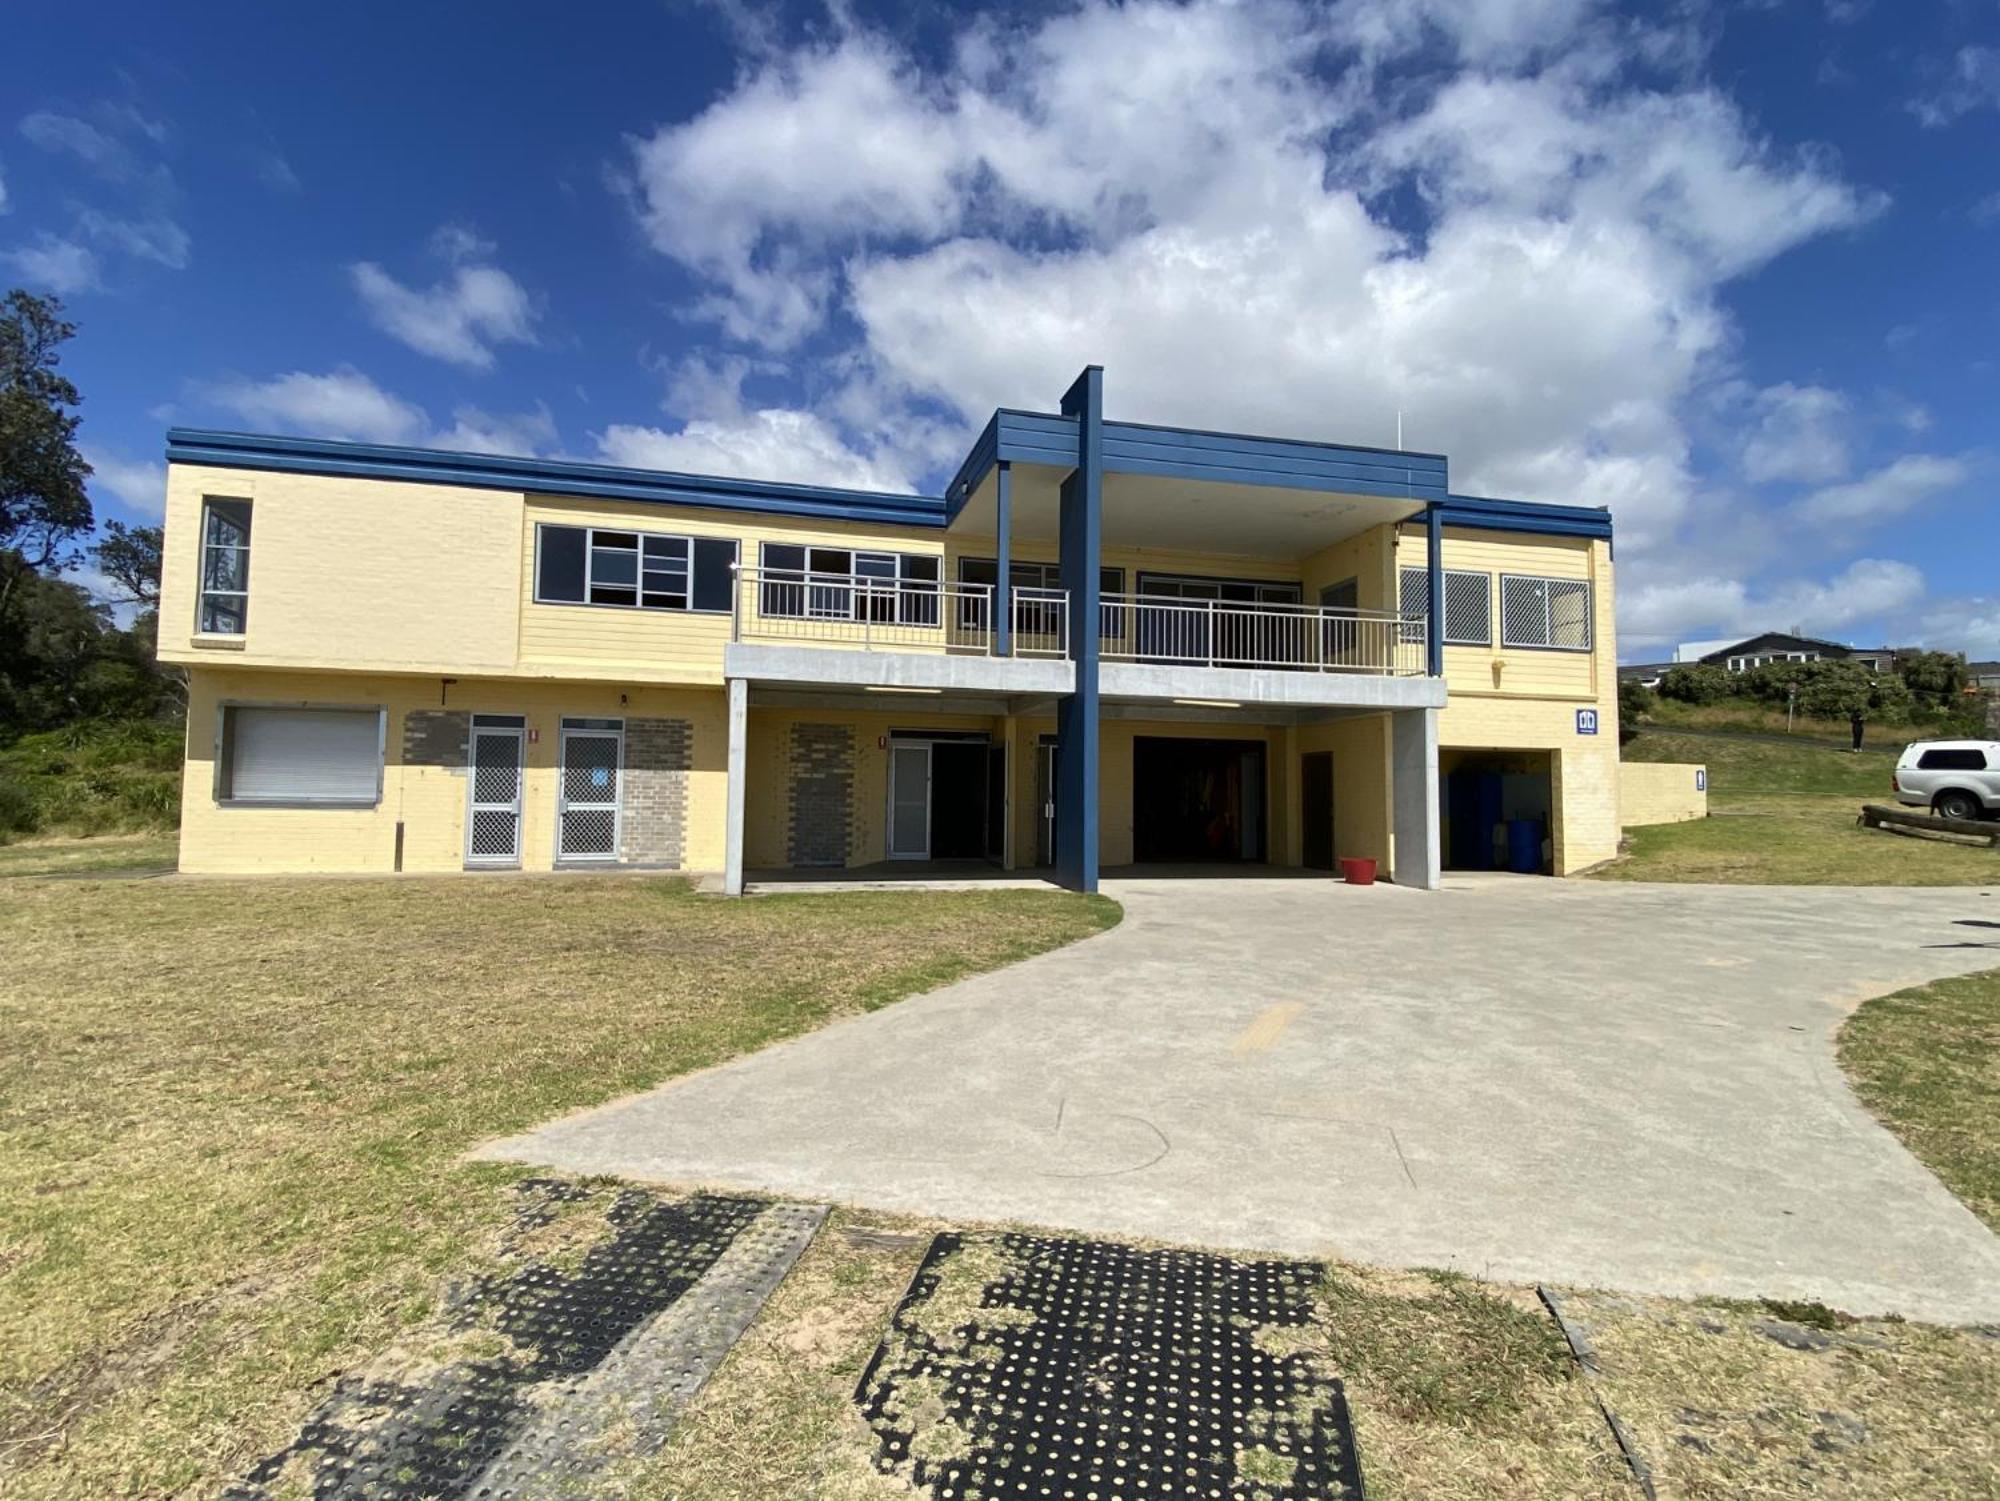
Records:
x=1635, y=701
x=1697, y=683
x=93, y=776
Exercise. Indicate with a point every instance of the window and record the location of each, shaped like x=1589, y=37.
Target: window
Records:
x=839, y=583
x=1952, y=760
x=1111, y=619
x=1345, y=595
x=324, y=757
x=1552, y=613
x=1468, y=605
x=583, y=565
x=224, y=608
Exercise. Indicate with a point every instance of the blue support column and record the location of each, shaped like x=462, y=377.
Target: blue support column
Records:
x=1434, y=627
x=1003, y=590
x=1081, y=541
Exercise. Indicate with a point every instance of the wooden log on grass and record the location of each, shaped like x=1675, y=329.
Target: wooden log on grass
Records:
x=1905, y=821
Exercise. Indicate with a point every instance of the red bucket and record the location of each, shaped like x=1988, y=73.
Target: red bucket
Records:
x=1358, y=872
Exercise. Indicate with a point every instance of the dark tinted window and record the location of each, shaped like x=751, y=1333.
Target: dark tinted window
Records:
x=713, y=582
x=561, y=570
x=1952, y=760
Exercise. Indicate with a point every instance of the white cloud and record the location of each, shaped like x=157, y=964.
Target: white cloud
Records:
x=3, y=195
x=459, y=319
x=1800, y=434
x=66, y=135
x=476, y=431
x=134, y=483
x=347, y=404
x=342, y=403
x=157, y=238
x=1884, y=494
x=1866, y=591
x=53, y=264
x=457, y=243
x=1272, y=217
x=1971, y=81
x=772, y=444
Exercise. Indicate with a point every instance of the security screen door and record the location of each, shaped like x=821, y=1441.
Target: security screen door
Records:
x=493, y=820
x=909, y=801
x=590, y=794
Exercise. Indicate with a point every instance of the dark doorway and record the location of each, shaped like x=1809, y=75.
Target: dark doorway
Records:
x=1197, y=800
x=1316, y=808
x=958, y=800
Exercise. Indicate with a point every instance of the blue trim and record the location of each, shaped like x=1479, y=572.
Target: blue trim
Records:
x=1003, y=566
x=1196, y=453
x=1081, y=552
x=1482, y=513
x=546, y=477
x=1434, y=567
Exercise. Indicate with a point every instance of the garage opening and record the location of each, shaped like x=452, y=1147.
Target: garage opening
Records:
x=1197, y=800
x=1498, y=810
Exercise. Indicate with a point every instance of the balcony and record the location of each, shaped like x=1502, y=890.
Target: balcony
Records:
x=1151, y=629
x=861, y=612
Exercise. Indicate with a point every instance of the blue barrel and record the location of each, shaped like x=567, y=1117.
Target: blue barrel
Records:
x=1524, y=846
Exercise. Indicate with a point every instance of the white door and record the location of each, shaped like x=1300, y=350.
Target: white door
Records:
x=589, y=813
x=493, y=814
x=1045, y=791
x=909, y=800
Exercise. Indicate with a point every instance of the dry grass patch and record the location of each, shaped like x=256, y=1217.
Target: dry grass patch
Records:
x=1723, y=1411
x=231, y=1113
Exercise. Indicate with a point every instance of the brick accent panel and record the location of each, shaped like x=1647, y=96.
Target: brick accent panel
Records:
x=654, y=794
x=819, y=810
x=436, y=737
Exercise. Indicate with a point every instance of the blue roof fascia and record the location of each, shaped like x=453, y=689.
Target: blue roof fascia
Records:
x=1482, y=513
x=546, y=476
x=1198, y=454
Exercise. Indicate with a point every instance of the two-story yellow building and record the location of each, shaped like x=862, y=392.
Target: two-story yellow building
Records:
x=1106, y=644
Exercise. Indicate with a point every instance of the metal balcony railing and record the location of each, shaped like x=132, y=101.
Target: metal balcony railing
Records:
x=871, y=613
x=1219, y=633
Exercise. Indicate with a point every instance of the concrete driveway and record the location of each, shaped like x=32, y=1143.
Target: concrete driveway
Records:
x=1610, y=1085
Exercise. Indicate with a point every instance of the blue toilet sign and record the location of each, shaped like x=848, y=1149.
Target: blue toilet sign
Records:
x=600, y=776
x=1586, y=721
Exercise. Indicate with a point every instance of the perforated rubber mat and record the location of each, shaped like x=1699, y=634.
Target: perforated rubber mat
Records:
x=1021, y=1366
x=543, y=1375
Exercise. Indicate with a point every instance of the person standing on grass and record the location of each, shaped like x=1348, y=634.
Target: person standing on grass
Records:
x=1854, y=724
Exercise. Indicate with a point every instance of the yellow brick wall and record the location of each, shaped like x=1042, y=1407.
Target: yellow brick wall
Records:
x=1362, y=813
x=1660, y=792
x=428, y=801
x=354, y=574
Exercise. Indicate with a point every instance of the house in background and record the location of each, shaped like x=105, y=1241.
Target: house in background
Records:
x=1107, y=643
x=1780, y=646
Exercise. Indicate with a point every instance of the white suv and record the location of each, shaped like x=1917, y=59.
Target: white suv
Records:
x=1953, y=778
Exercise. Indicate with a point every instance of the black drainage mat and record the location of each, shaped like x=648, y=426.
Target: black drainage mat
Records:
x=1086, y=1371
x=545, y=1375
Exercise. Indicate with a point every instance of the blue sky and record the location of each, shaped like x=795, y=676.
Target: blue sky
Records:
x=1730, y=272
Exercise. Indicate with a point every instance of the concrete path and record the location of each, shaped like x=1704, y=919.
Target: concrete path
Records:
x=1597, y=1084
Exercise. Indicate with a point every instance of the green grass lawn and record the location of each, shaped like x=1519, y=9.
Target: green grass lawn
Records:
x=1927, y=1061
x=1784, y=814
x=232, y=1113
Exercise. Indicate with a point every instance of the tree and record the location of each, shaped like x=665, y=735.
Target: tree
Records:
x=1697, y=683
x=43, y=505
x=1936, y=676
x=130, y=558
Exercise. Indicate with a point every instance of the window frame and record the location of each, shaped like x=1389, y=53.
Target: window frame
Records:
x=1589, y=588
x=223, y=771
x=829, y=593
x=1485, y=576
x=202, y=592
x=689, y=542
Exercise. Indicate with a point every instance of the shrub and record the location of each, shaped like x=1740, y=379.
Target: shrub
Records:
x=1697, y=683
x=1635, y=701
x=18, y=814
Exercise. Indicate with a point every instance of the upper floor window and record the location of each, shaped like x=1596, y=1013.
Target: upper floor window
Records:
x=1543, y=612
x=586, y=565
x=1040, y=613
x=1468, y=604
x=840, y=583
x=224, y=607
